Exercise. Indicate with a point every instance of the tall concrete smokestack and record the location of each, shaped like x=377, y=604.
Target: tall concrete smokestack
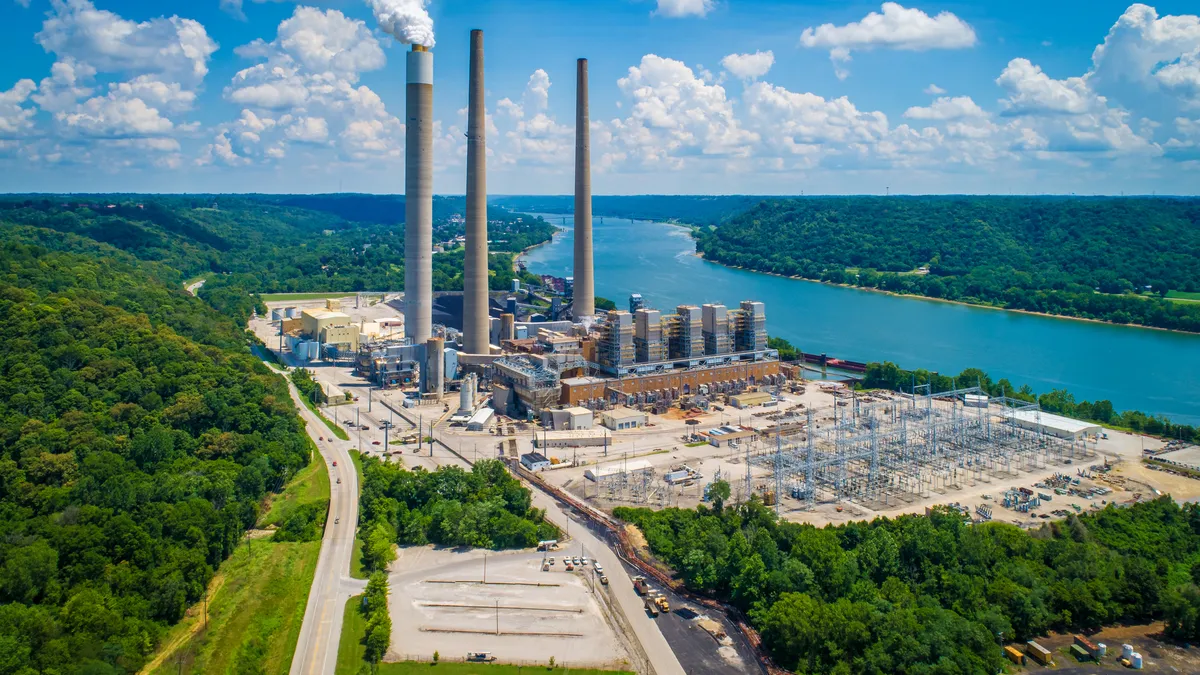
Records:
x=475, y=277
x=584, y=301
x=418, y=197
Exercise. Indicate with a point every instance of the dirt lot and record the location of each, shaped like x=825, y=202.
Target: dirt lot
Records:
x=1158, y=656
x=559, y=618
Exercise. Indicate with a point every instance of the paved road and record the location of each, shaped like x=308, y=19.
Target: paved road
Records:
x=316, y=650
x=583, y=540
x=193, y=288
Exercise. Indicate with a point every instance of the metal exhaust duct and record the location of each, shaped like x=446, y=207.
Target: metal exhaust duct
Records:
x=418, y=196
x=584, y=300
x=475, y=277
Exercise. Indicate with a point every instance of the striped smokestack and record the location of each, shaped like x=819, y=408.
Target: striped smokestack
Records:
x=475, y=279
x=584, y=301
x=418, y=197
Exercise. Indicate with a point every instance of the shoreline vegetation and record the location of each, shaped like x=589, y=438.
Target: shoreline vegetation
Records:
x=1091, y=259
x=963, y=303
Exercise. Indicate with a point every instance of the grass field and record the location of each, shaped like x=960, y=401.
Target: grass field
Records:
x=256, y=601
x=1182, y=296
x=350, y=646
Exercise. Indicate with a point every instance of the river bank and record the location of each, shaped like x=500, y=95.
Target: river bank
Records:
x=1095, y=360
x=913, y=296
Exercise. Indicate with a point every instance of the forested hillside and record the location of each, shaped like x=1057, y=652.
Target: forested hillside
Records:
x=137, y=438
x=247, y=245
x=930, y=594
x=1103, y=258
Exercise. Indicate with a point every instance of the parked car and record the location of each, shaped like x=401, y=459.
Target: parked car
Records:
x=375, y=443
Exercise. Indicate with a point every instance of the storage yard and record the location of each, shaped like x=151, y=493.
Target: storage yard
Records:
x=440, y=602
x=1156, y=656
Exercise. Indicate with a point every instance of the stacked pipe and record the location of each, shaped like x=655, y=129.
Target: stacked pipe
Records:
x=418, y=196
x=475, y=278
x=584, y=300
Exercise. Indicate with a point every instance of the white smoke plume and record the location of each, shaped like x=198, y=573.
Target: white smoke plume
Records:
x=406, y=20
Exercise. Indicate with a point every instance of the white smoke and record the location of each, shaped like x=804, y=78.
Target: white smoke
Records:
x=406, y=20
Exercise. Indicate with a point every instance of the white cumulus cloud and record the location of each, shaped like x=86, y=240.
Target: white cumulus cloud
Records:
x=749, y=66
x=894, y=27
x=681, y=8
x=946, y=108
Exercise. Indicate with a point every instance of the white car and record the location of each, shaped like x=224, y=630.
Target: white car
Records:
x=583, y=560
x=599, y=568
x=575, y=560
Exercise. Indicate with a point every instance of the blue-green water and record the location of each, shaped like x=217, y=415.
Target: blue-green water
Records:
x=1153, y=371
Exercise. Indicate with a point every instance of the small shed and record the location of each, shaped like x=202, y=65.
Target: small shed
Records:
x=535, y=461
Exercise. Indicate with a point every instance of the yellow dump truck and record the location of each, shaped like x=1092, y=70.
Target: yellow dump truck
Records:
x=661, y=601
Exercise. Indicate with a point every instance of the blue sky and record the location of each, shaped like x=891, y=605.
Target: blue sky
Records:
x=688, y=96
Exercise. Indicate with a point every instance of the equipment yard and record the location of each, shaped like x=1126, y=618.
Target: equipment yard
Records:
x=441, y=603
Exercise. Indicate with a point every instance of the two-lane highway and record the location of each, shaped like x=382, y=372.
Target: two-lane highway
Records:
x=316, y=649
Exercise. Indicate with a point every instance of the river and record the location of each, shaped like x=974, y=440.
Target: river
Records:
x=1154, y=371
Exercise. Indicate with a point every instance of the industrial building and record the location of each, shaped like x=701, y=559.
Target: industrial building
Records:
x=728, y=378
x=535, y=461
x=480, y=420
x=631, y=468
x=1054, y=425
x=622, y=419
x=567, y=419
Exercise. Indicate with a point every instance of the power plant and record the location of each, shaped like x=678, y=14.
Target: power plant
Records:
x=533, y=347
x=418, y=195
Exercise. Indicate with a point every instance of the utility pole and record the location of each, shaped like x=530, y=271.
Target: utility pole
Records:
x=368, y=399
x=497, y=617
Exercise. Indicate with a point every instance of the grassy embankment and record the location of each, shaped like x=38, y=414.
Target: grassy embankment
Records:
x=1182, y=296
x=356, y=566
x=337, y=431
x=256, y=601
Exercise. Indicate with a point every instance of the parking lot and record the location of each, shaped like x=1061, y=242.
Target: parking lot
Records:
x=441, y=603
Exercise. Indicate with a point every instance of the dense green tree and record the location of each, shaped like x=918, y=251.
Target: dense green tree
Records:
x=926, y=594
x=137, y=438
x=1092, y=258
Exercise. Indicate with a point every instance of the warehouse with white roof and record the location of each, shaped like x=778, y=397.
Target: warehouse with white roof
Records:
x=1054, y=425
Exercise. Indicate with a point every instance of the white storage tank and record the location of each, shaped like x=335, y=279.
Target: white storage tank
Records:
x=1126, y=651
x=276, y=314
x=292, y=312
x=1135, y=661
